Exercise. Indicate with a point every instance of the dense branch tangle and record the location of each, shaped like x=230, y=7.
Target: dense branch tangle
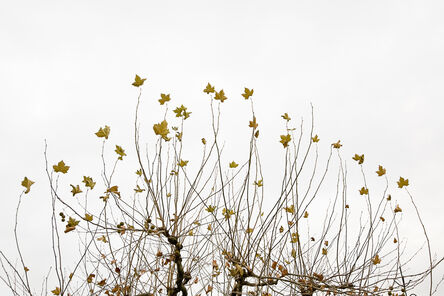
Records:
x=210, y=230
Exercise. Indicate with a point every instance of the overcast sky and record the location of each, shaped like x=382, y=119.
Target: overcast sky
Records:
x=373, y=71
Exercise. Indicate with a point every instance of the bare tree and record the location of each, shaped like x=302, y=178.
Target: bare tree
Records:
x=212, y=231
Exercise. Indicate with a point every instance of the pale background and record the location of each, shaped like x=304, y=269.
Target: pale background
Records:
x=373, y=70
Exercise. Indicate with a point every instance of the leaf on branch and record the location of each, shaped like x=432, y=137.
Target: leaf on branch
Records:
x=119, y=150
x=227, y=213
x=315, y=139
x=27, y=184
x=103, y=132
x=138, y=189
x=139, y=172
x=376, y=260
x=381, y=171
x=114, y=189
x=363, y=191
x=290, y=209
x=161, y=129
x=182, y=163
x=75, y=189
x=398, y=209
x=306, y=214
x=247, y=93
x=233, y=165
x=220, y=96
x=337, y=145
x=324, y=251
x=253, y=123
x=209, y=89
x=286, y=117
x=210, y=209
x=259, y=183
x=138, y=81
x=102, y=239
x=359, y=158
x=164, y=98
x=88, y=217
x=403, y=182
x=61, y=167
x=285, y=139
x=204, y=141
x=89, y=182
x=56, y=291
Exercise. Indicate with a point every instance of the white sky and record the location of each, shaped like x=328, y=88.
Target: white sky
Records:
x=372, y=69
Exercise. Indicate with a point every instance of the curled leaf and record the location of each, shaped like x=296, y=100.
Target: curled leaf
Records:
x=138, y=81
x=247, y=93
x=103, y=132
x=27, y=184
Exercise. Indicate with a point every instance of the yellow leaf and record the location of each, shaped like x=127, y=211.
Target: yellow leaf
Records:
x=164, y=98
x=119, y=150
x=306, y=214
x=389, y=197
x=315, y=139
x=398, y=209
x=220, y=96
x=256, y=134
x=56, y=291
x=89, y=182
x=71, y=225
x=27, y=184
x=227, y=213
x=294, y=237
x=138, y=81
x=102, y=283
x=209, y=89
x=281, y=229
x=75, y=189
x=324, y=251
x=90, y=278
x=247, y=93
x=337, y=145
x=204, y=141
x=61, y=167
x=359, y=158
x=88, y=217
x=210, y=209
x=285, y=139
x=114, y=189
x=289, y=209
x=233, y=165
x=179, y=136
x=103, y=132
x=376, y=260
x=182, y=163
x=139, y=172
x=381, y=171
x=162, y=130
x=253, y=123
x=403, y=182
x=286, y=117
x=363, y=191
x=249, y=230
x=258, y=183
x=102, y=239
x=138, y=189
x=182, y=112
